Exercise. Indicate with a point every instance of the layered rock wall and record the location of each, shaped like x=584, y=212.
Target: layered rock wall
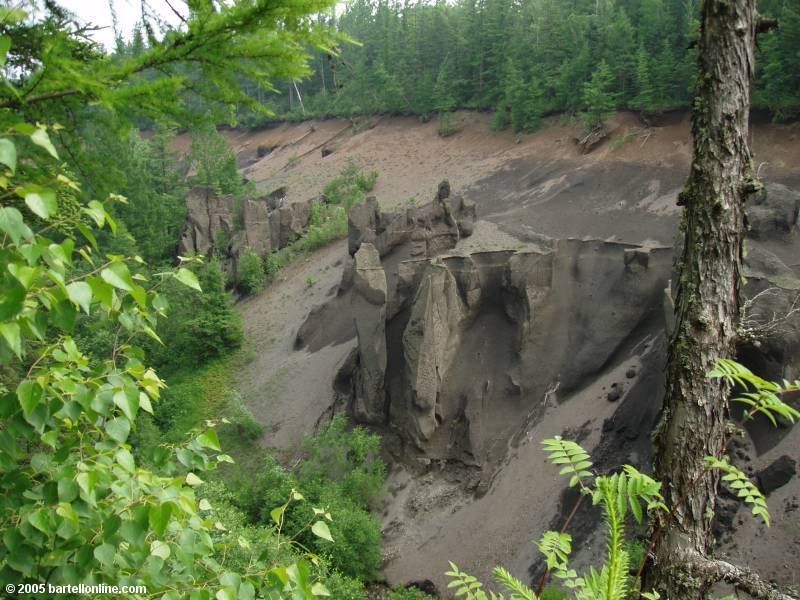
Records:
x=457, y=349
x=265, y=224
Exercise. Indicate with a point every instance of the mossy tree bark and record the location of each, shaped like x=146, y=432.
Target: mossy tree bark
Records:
x=693, y=421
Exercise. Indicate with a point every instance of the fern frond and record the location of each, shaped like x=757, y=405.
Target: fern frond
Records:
x=741, y=484
x=518, y=590
x=612, y=492
x=760, y=395
x=466, y=585
x=642, y=488
x=735, y=373
x=555, y=547
x=575, y=460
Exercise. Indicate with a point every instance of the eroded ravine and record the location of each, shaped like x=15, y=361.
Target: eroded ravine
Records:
x=547, y=317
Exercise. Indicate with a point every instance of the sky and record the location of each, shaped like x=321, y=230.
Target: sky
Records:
x=128, y=13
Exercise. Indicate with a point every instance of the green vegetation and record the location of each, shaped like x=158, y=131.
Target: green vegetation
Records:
x=598, y=98
x=151, y=178
x=250, y=274
x=526, y=59
x=76, y=505
x=341, y=472
x=109, y=473
x=328, y=220
x=213, y=162
x=202, y=326
x=350, y=186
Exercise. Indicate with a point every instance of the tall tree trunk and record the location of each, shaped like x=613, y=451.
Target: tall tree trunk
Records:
x=707, y=302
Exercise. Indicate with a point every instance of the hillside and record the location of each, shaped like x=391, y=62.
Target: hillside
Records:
x=622, y=195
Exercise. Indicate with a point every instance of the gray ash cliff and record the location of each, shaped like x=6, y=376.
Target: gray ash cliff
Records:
x=460, y=350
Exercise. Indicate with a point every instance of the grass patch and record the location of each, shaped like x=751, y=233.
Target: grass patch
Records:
x=328, y=220
x=196, y=395
x=623, y=140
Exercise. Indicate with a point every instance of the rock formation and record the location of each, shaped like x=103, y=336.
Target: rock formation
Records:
x=458, y=349
x=775, y=210
x=264, y=223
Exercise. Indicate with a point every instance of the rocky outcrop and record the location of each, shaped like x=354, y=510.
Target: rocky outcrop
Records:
x=432, y=228
x=369, y=311
x=486, y=334
x=777, y=474
x=265, y=223
x=208, y=218
x=457, y=348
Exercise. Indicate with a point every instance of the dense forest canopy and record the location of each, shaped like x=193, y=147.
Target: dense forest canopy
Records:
x=526, y=58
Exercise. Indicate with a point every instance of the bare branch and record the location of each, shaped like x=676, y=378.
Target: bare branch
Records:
x=711, y=570
x=756, y=326
x=177, y=14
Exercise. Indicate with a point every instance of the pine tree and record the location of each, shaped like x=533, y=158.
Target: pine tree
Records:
x=644, y=85
x=443, y=96
x=599, y=101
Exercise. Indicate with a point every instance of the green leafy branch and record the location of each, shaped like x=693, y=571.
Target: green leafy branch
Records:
x=741, y=484
x=760, y=395
x=575, y=460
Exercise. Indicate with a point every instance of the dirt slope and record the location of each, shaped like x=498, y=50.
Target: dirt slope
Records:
x=537, y=184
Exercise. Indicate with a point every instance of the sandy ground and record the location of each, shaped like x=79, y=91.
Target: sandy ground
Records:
x=426, y=528
x=536, y=183
x=287, y=390
x=411, y=157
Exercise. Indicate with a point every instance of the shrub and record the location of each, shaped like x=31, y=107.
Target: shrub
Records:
x=346, y=458
x=357, y=534
x=331, y=226
x=250, y=274
x=343, y=474
x=214, y=162
x=278, y=259
x=342, y=587
x=408, y=593
x=348, y=188
x=202, y=325
x=192, y=396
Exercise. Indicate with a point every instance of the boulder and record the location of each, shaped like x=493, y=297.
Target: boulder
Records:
x=255, y=218
x=774, y=211
x=362, y=224
x=275, y=198
x=777, y=474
